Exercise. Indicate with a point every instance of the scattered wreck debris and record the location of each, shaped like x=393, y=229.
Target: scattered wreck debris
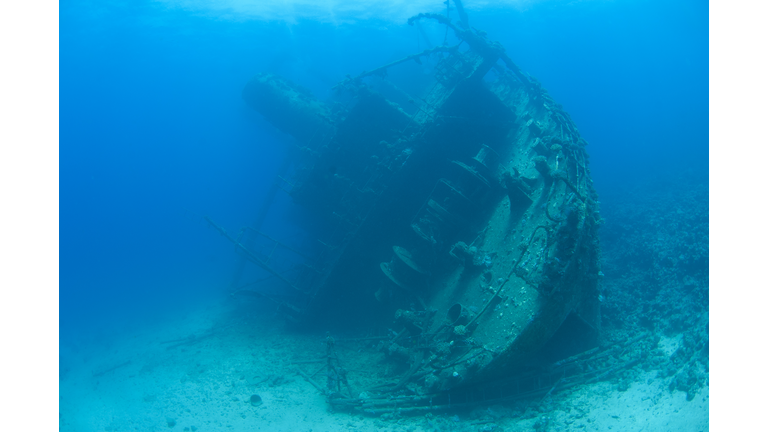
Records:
x=535, y=383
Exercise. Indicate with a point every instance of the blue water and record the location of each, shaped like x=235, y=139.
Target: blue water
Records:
x=154, y=133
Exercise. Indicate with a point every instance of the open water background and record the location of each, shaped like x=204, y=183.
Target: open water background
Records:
x=154, y=133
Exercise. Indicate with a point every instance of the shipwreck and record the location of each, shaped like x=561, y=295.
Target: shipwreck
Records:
x=459, y=212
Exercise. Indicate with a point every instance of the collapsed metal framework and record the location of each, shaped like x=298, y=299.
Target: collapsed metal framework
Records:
x=535, y=384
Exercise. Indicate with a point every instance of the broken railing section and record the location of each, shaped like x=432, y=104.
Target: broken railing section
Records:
x=382, y=70
x=336, y=375
x=337, y=382
x=303, y=284
x=263, y=264
x=490, y=50
x=476, y=40
x=537, y=385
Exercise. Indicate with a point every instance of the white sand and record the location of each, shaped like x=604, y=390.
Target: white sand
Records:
x=206, y=385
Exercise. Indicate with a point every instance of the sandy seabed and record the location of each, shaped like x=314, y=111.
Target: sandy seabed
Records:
x=198, y=373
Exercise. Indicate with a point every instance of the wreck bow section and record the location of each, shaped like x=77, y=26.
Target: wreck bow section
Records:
x=463, y=210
